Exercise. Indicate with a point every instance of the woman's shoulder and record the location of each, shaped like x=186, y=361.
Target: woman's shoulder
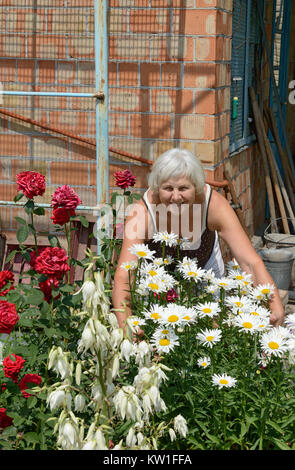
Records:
x=219, y=208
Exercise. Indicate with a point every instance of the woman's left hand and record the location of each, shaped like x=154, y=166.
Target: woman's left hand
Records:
x=277, y=318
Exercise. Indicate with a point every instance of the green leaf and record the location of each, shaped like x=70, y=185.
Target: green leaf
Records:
x=53, y=240
x=10, y=256
x=275, y=426
x=50, y=332
x=18, y=196
x=84, y=221
x=29, y=206
x=281, y=445
x=31, y=437
x=20, y=220
x=22, y=233
x=35, y=297
x=67, y=288
x=31, y=402
x=39, y=211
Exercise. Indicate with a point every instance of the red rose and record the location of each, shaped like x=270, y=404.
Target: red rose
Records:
x=5, y=420
x=53, y=262
x=6, y=277
x=31, y=183
x=61, y=215
x=29, y=379
x=8, y=317
x=12, y=367
x=47, y=286
x=124, y=179
x=65, y=197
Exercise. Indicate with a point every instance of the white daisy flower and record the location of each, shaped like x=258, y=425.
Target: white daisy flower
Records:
x=246, y=322
x=168, y=260
x=223, y=381
x=158, y=261
x=233, y=265
x=161, y=332
x=208, y=309
x=155, y=313
x=141, y=251
x=136, y=322
x=185, y=263
x=164, y=343
x=212, y=289
x=175, y=315
x=129, y=265
x=155, y=284
x=225, y=283
x=237, y=303
x=262, y=292
x=193, y=272
x=209, y=275
x=258, y=311
x=183, y=243
x=290, y=320
x=204, y=362
x=274, y=343
x=170, y=239
x=242, y=278
x=149, y=269
x=209, y=337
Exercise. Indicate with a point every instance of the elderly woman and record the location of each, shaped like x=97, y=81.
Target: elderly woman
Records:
x=201, y=214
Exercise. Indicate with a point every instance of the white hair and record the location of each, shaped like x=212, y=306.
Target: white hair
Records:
x=175, y=163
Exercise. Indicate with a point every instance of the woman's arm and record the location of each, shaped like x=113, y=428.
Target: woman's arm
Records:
x=135, y=230
x=221, y=217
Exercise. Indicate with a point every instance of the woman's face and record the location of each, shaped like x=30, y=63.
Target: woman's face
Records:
x=177, y=191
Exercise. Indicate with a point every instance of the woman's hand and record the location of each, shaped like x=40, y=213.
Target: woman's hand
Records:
x=277, y=318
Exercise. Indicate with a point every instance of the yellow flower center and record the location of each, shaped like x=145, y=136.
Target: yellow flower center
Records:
x=136, y=322
x=239, y=304
x=239, y=277
x=209, y=338
x=155, y=316
x=153, y=286
x=247, y=324
x=165, y=332
x=265, y=291
x=223, y=284
x=255, y=313
x=207, y=310
x=141, y=253
x=192, y=273
x=204, y=364
x=128, y=266
x=273, y=345
x=223, y=381
x=187, y=317
x=164, y=342
x=152, y=272
x=173, y=318
x=166, y=261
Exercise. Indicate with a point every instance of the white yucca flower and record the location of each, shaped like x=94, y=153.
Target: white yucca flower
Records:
x=172, y=434
x=60, y=364
x=56, y=399
x=143, y=352
x=131, y=439
x=180, y=425
x=127, y=404
x=79, y=402
x=68, y=436
x=88, y=338
x=127, y=350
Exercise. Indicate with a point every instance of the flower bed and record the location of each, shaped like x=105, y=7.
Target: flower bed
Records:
x=209, y=371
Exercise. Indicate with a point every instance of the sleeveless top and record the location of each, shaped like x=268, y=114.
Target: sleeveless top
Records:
x=208, y=253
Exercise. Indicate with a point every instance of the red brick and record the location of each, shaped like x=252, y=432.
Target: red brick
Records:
x=173, y=101
x=129, y=99
x=118, y=124
x=128, y=74
x=14, y=145
x=7, y=70
x=131, y=47
x=150, y=75
x=46, y=71
x=195, y=127
x=200, y=75
x=112, y=73
x=171, y=75
x=47, y=46
x=74, y=172
x=12, y=45
x=172, y=48
x=26, y=20
x=26, y=71
x=69, y=121
x=66, y=72
x=206, y=49
x=149, y=21
x=194, y=22
x=151, y=126
x=206, y=102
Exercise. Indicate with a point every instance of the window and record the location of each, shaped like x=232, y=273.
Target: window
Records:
x=246, y=50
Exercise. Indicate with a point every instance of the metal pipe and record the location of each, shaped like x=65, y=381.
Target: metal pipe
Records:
x=45, y=205
x=52, y=93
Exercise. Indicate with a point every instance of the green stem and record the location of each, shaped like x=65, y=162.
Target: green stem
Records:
x=34, y=234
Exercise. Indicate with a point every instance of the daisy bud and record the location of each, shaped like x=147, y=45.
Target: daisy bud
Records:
x=79, y=403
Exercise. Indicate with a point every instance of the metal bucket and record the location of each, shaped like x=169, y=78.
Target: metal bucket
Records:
x=273, y=239
x=279, y=264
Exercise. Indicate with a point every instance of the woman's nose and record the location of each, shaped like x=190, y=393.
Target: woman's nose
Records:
x=176, y=196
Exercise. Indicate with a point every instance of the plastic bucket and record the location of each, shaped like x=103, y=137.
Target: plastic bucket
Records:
x=279, y=264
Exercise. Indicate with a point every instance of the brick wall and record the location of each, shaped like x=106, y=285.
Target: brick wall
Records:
x=169, y=83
